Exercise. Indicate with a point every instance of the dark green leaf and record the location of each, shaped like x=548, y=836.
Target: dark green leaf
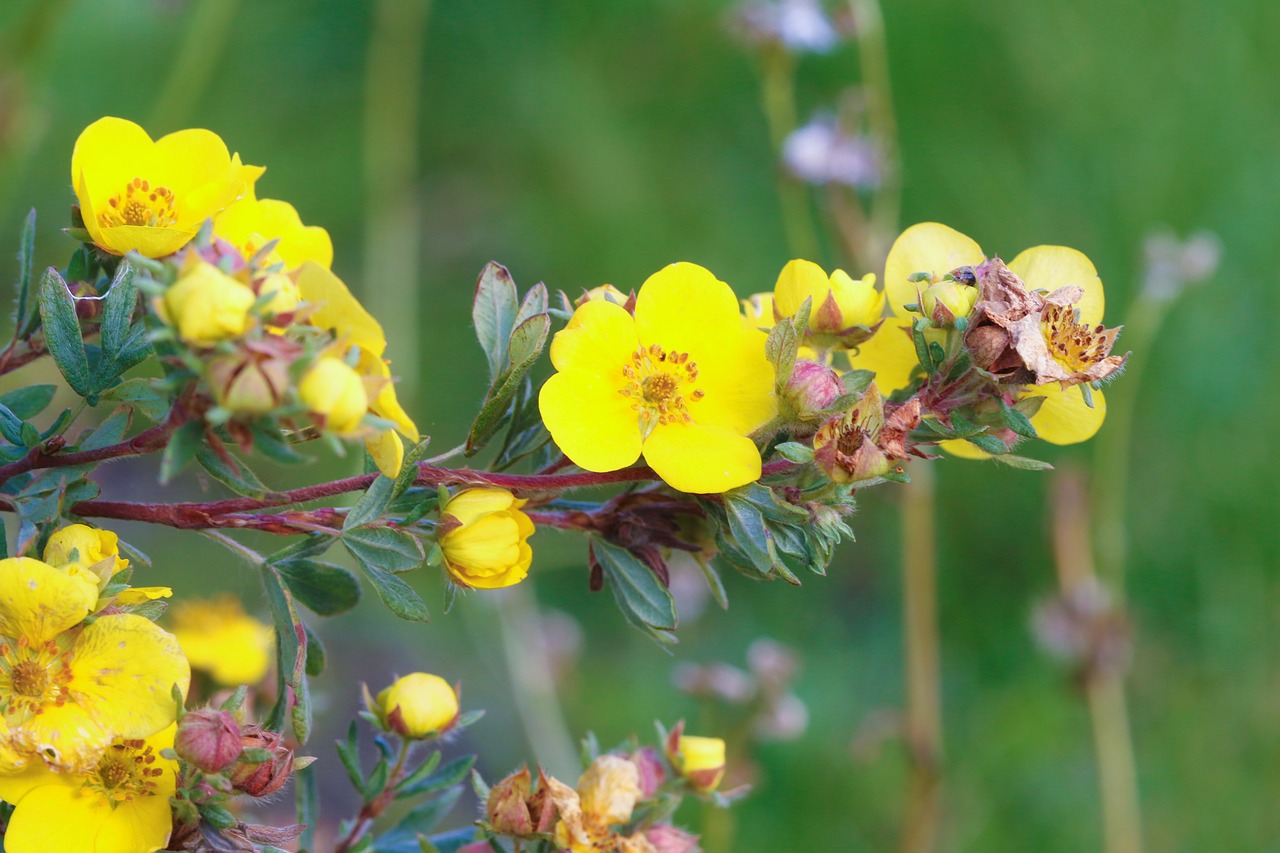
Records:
x=639, y=593
x=117, y=311
x=11, y=426
x=110, y=431
x=794, y=451
x=1017, y=421
x=493, y=312
x=144, y=394
x=527, y=342
x=403, y=838
x=384, y=548
x=1022, y=462
x=714, y=584
x=989, y=443
x=238, y=478
x=25, y=316
x=290, y=643
x=372, y=505
x=397, y=595
x=62, y=332
x=377, y=781
x=446, y=777
x=26, y=403
x=181, y=450
x=308, y=806
x=325, y=588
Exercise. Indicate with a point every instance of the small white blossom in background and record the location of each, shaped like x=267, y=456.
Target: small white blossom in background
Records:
x=822, y=152
x=799, y=26
x=1173, y=265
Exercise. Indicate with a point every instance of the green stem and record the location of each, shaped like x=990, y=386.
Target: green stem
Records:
x=195, y=60
x=393, y=217
x=923, y=722
x=1117, y=774
x=873, y=57
x=1115, y=443
x=778, y=95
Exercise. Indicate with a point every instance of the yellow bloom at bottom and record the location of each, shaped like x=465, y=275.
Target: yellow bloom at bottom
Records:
x=221, y=639
x=486, y=538
x=120, y=805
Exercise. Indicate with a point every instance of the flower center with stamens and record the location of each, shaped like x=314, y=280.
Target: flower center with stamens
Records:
x=1074, y=345
x=127, y=770
x=140, y=204
x=32, y=677
x=661, y=385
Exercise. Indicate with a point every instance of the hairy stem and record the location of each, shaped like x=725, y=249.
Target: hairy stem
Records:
x=923, y=723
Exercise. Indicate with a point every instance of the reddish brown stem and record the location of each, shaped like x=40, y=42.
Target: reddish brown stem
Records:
x=46, y=456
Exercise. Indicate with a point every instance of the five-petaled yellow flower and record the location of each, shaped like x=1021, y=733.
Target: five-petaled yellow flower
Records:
x=218, y=637
x=485, y=538
x=1064, y=417
x=149, y=196
x=94, y=554
x=69, y=689
x=337, y=310
x=120, y=804
x=252, y=222
x=683, y=381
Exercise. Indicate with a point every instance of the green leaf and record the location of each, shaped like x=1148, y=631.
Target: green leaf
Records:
x=783, y=342
x=181, y=450
x=1017, y=421
x=397, y=595
x=535, y=302
x=24, y=316
x=403, y=838
x=290, y=644
x=372, y=505
x=639, y=593
x=794, y=451
x=110, y=431
x=526, y=344
x=349, y=755
x=989, y=443
x=26, y=403
x=117, y=311
x=714, y=584
x=239, y=478
x=62, y=332
x=147, y=395
x=446, y=777
x=308, y=805
x=493, y=312
x=385, y=548
x=922, y=347
x=858, y=381
x=325, y=588
x=1022, y=463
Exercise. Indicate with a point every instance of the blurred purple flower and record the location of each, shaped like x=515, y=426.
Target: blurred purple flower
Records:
x=822, y=152
x=1173, y=265
x=800, y=26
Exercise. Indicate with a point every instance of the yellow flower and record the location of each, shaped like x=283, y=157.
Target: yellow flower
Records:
x=72, y=689
x=606, y=796
x=120, y=804
x=80, y=543
x=947, y=301
x=206, y=305
x=700, y=760
x=839, y=304
x=683, y=381
x=338, y=311
x=224, y=641
x=486, y=538
x=335, y=393
x=152, y=197
x=251, y=223
x=929, y=247
x=417, y=705
x=285, y=295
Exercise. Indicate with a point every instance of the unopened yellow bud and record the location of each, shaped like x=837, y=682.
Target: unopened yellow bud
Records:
x=335, y=393
x=80, y=543
x=947, y=301
x=700, y=760
x=417, y=705
x=248, y=385
x=842, y=309
x=284, y=294
x=486, y=538
x=206, y=306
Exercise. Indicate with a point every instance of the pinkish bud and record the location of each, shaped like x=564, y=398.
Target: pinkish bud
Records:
x=652, y=773
x=667, y=839
x=508, y=808
x=261, y=779
x=810, y=392
x=208, y=738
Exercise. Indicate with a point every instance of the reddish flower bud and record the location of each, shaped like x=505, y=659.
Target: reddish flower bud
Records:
x=652, y=772
x=261, y=779
x=508, y=808
x=811, y=390
x=208, y=738
x=667, y=839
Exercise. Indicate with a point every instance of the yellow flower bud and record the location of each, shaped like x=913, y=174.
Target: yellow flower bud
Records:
x=284, y=290
x=249, y=384
x=417, y=705
x=485, y=538
x=603, y=293
x=700, y=760
x=80, y=543
x=838, y=303
x=206, y=305
x=335, y=393
x=947, y=301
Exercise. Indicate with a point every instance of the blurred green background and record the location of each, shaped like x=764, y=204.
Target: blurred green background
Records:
x=584, y=142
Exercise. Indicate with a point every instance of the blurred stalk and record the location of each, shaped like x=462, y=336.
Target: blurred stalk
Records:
x=1111, y=480
x=208, y=31
x=393, y=215
x=778, y=93
x=923, y=723
x=1103, y=684
x=881, y=223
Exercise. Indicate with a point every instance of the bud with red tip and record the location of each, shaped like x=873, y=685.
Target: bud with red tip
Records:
x=262, y=778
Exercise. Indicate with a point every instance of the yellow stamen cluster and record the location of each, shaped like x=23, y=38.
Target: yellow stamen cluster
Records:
x=140, y=204
x=654, y=380
x=33, y=676
x=125, y=771
x=1074, y=345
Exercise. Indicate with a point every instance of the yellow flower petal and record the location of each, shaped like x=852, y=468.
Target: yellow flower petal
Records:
x=963, y=450
x=68, y=736
x=338, y=310
x=702, y=459
x=590, y=420
x=890, y=354
x=927, y=247
x=123, y=673
x=56, y=816
x=798, y=281
x=38, y=602
x=471, y=504
x=599, y=339
x=1051, y=267
x=1064, y=418
x=142, y=594
x=251, y=223
x=387, y=452
x=684, y=307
